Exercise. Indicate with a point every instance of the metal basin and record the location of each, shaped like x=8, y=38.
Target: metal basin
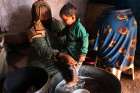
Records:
x=100, y=82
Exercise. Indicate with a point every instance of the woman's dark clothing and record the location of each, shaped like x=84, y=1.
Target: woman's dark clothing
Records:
x=21, y=80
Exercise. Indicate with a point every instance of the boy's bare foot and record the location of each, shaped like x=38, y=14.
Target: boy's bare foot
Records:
x=74, y=81
x=71, y=84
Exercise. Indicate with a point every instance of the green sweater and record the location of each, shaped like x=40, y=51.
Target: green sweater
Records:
x=76, y=40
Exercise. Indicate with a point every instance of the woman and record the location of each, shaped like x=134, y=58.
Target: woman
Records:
x=45, y=49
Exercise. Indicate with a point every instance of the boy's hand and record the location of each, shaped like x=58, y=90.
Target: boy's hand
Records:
x=68, y=59
x=82, y=58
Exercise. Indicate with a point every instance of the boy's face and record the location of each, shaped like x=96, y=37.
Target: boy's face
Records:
x=68, y=20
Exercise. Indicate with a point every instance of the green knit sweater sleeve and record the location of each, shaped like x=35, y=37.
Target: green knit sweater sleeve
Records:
x=84, y=39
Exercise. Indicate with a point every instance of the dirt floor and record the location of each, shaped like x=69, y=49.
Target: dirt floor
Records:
x=129, y=85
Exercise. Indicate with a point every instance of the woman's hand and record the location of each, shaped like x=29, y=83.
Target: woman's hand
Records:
x=38, y=26
x=37, y=30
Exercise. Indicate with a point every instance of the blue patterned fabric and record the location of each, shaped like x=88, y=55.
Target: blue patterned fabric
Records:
x=116, y=39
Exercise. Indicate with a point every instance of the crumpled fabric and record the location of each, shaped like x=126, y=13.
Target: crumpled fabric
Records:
x=116, y=39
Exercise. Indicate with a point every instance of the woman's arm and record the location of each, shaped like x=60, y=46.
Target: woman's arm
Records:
x=42, y=48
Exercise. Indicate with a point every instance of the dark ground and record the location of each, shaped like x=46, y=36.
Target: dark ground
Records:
x=129, y=85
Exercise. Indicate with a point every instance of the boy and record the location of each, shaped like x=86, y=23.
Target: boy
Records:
x=76, y=35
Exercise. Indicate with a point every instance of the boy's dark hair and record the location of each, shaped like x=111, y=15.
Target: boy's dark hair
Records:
x=68, y=10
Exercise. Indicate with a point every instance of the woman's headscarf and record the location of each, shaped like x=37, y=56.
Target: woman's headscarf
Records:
x=37, y=6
